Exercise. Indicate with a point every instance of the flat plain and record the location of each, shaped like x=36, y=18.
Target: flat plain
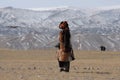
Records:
x=43, y=65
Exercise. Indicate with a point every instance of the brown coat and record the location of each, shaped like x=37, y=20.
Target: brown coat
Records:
x=61, y=54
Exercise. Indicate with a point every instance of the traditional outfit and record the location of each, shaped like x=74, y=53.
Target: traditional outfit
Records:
x=65, y=53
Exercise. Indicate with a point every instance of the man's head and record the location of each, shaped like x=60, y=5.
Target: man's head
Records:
x=63, y=25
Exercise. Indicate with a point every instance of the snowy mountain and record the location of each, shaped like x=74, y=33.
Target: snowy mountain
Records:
x=31, y=29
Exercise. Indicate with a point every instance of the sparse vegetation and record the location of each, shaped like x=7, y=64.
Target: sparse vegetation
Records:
x=42, y=65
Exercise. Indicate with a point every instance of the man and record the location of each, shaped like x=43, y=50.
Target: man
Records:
x=65, y=52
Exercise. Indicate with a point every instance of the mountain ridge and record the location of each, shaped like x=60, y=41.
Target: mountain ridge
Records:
x=28, y=29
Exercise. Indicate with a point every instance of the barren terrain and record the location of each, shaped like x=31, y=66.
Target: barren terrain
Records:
x=42, y=65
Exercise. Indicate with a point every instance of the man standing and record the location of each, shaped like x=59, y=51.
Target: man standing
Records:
x=65, y=52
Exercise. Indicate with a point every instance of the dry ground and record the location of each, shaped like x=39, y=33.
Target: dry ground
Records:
x=42, y=65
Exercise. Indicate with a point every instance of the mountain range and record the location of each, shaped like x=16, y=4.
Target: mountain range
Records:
x=25, y=29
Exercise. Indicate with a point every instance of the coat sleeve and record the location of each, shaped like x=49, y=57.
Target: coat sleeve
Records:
x=61, y=36
x=61, y=40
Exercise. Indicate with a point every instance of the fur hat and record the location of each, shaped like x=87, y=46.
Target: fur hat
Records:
x=63, y=25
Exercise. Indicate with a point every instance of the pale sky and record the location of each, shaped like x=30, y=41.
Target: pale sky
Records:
x=58, y=3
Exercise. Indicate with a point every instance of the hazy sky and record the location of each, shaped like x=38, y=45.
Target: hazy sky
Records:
x=58, y=3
